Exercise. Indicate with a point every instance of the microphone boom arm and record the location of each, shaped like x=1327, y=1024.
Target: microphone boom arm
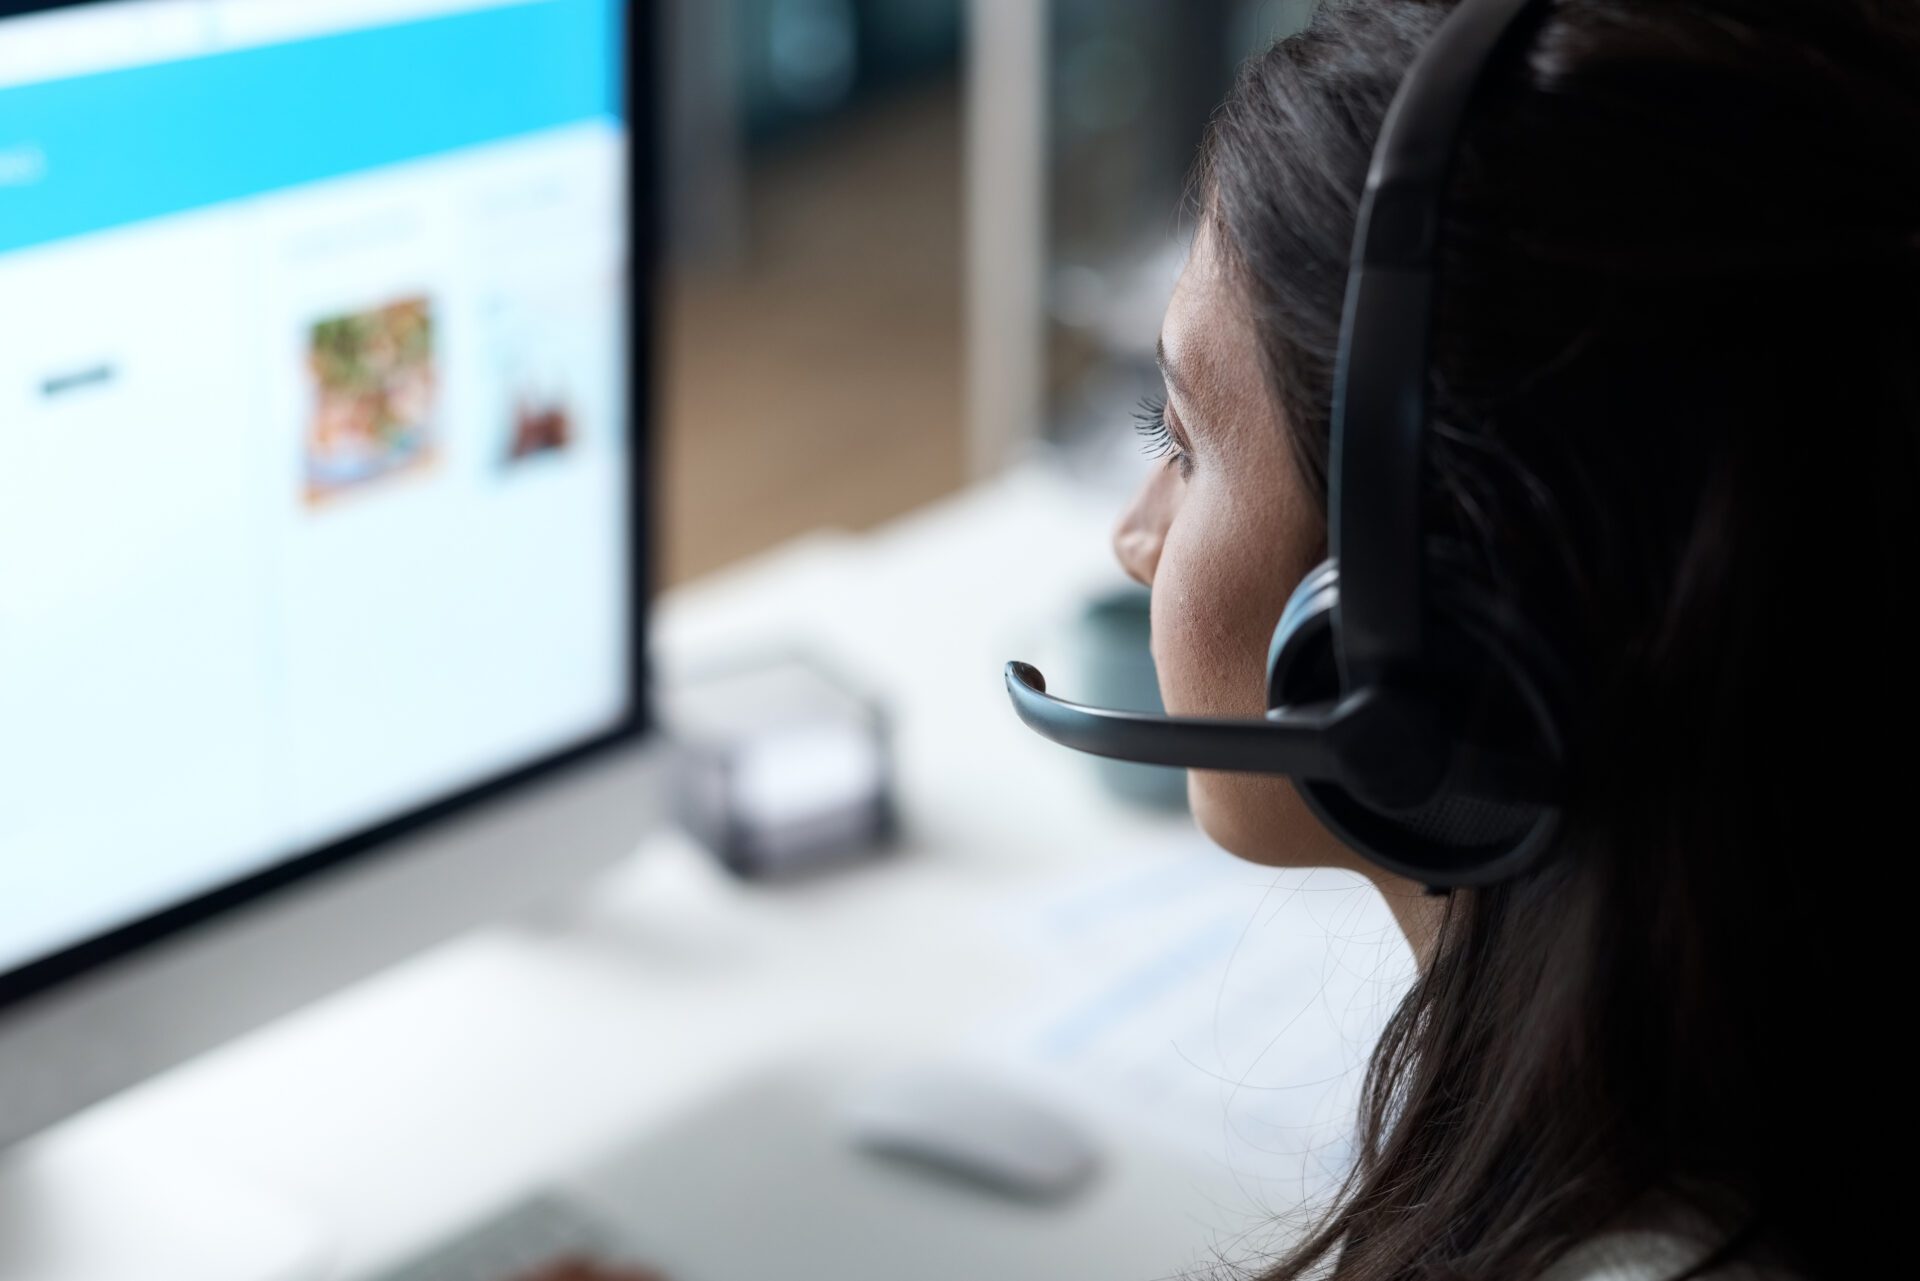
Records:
x=1296, y=744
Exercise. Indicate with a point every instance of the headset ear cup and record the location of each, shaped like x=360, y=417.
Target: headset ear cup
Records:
x=1453, y=839
x=1301, y=665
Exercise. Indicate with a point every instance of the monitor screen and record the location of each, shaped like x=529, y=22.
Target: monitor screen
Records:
x=316, y=461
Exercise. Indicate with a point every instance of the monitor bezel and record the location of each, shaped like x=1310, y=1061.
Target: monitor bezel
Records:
x=640, y=103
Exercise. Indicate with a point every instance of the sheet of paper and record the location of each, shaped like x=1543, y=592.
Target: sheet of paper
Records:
x=1226, y=1007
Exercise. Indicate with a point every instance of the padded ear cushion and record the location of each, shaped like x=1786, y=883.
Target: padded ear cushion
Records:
x=1468, y=834
x=1448, y=841
x=1300, y=659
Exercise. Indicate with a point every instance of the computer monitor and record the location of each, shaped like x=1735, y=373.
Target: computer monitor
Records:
x=322, y=561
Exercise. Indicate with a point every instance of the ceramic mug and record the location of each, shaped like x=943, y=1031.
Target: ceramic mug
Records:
x=1113, y=661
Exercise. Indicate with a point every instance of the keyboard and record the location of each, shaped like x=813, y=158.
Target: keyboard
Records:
x=521, y=1242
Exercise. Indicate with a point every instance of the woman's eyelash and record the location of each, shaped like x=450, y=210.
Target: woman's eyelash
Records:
x=1150, y=420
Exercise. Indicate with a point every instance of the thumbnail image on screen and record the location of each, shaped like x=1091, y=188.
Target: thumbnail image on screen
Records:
x=374, y=395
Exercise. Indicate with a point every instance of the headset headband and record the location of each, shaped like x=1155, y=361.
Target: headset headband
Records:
x=1380, y=421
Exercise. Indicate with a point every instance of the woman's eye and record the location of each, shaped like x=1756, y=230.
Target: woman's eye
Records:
x=1150, y=420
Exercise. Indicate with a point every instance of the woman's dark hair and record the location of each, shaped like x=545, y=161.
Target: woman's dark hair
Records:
x=1676, y=417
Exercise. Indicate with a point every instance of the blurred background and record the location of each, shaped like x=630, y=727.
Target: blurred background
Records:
x=910, y=240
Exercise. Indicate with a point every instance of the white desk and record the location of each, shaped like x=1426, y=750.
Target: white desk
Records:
x=402, y=1109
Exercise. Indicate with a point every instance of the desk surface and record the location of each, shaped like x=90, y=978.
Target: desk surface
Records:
x=408, y=1106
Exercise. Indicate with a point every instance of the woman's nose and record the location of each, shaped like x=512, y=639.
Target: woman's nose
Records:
x=1142, y=531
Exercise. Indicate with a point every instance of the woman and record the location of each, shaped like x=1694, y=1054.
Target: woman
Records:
x=1674, y=422
x=1674, y=411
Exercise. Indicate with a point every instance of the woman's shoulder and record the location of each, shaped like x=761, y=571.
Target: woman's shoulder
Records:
x=1649, y=1254
x=1659, y=1241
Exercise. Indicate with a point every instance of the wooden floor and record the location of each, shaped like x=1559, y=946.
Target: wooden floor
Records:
x=820, y=383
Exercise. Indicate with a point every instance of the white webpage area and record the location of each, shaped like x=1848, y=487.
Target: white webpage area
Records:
x=313, y=510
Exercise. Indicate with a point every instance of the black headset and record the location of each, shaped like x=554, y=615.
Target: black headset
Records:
x=1417, y=714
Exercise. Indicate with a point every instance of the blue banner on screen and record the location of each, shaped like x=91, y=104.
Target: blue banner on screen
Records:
x=114, y=147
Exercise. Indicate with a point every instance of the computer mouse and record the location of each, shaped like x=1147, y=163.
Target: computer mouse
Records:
x=970, y=1123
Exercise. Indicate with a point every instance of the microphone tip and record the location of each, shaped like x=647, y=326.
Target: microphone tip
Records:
x=1027, y=674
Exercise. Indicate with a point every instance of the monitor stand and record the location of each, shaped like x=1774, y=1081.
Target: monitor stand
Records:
x=83, y=1211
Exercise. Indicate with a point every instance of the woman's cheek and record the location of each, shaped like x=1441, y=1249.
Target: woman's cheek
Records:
x=1174, y=658
x=1209, y=639
x=1214, y=608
